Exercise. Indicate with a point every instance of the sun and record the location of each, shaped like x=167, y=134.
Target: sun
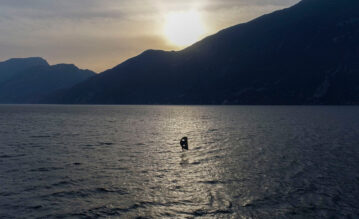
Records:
x=183, y=28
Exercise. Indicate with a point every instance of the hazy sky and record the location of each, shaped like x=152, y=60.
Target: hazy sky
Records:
x=99, y=34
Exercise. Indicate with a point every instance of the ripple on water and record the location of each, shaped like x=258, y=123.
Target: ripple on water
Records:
x=105, y=143
x=46, y=169
x=11, y=156
x=82, y=193
x=40, y=136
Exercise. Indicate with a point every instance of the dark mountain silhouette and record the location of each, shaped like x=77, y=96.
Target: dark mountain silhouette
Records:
x=306, y=54
x=12, y=67
x=29, y=80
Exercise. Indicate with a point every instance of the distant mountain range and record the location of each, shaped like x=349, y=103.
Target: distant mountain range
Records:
x=306, y=54
x=30, y=80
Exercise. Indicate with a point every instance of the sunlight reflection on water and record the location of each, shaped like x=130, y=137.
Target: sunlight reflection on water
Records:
x=108, y=161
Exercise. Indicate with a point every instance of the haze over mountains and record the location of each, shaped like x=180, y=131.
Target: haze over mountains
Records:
x=29, y=80
x=307, y=54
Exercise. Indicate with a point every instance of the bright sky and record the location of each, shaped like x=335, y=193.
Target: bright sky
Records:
x=99, y=34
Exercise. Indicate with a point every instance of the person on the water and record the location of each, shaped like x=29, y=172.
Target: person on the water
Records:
x=184, y=143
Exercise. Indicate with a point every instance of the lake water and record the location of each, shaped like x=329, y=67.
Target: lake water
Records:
x=126, y=161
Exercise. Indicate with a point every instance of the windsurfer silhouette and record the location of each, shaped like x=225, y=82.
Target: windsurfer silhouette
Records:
x=184, y=143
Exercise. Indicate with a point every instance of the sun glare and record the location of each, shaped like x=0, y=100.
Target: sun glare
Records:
x=183, y=28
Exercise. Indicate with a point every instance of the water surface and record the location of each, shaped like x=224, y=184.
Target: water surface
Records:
x=126, y=161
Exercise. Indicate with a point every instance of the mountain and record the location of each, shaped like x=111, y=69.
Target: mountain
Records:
x=11, y=67
x=306, y=54
x=31, y=79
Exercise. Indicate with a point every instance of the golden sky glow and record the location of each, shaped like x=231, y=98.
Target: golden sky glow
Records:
x=184, y=28
x=99, y=34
